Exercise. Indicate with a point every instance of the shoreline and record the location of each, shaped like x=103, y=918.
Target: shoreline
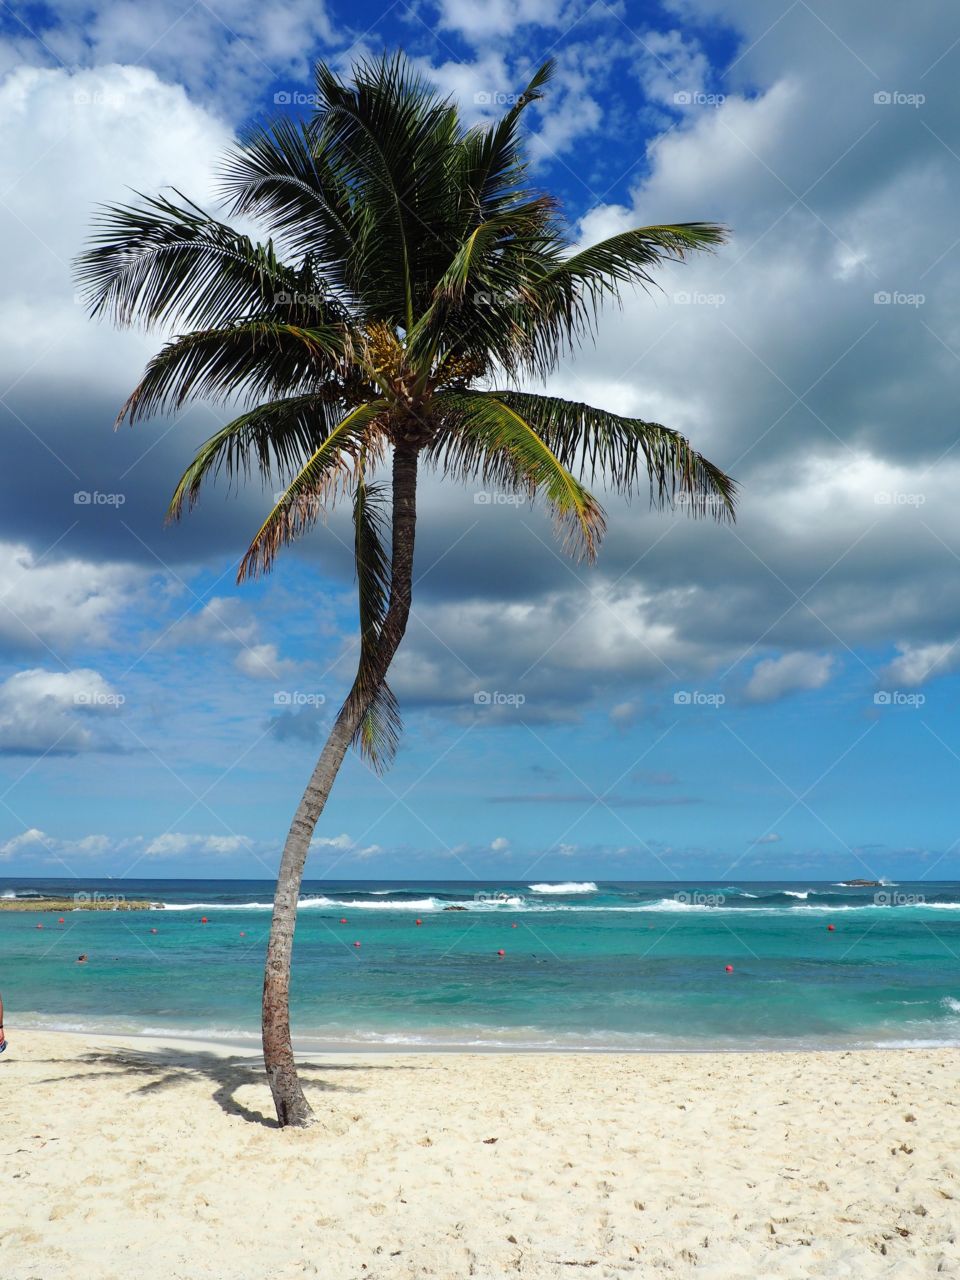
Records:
x=304, y=1045
x=128, y=1154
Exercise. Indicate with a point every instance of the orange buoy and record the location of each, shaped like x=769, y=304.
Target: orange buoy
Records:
x=728, y=968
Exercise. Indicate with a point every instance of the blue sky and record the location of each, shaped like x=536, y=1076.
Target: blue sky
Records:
x=778, y=699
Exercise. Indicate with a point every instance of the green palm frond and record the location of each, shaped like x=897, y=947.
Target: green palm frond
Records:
x=246, y=361
x=160, y=262
x=378, y=734
x=625, y=453
x=274, y=438
x=315, y=487
x=491, y=441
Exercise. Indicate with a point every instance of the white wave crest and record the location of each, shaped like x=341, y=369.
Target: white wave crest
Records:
x=566, y=886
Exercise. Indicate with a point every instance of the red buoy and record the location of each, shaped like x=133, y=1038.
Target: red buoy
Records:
x=343, y=919
x=831, y=928
x=729, y=968
x=39, y=926
x=356, y=944
x=153, y=931
x=60, y=921
x=242, y=933
x=203, y=920
x=513, y=926
x=419, y=922
x=501, y=953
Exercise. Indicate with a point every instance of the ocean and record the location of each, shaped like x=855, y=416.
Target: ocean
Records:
x=602, y=965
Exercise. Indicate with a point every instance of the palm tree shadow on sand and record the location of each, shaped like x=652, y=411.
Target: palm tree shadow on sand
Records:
x=162, y=1069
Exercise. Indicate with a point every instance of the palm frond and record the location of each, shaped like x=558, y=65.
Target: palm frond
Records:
x=489, y=440
x=627, y=452
x=275, y=438
x=378, y=734
x=249, y=360
x=160, y=262
x=315, y=487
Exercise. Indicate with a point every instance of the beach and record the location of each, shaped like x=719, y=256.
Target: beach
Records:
x=161, y=1158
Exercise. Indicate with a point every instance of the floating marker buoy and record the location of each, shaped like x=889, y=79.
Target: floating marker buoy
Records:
x=60, y=921
x=153, y=931
x=356, y=944
x=728, y=968
x=203, y=920
x=831, y=928
x=513, y=926
x=242, y=933
x=39, y=926
x=501, y=953
x=419, y=922
x=343, y=919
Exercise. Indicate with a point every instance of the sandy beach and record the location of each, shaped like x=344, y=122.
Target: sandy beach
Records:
x=161, y=1159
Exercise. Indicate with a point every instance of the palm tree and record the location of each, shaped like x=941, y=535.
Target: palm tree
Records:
x=422, y=278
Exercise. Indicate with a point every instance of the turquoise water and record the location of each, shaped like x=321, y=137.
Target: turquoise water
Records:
x=626, y=965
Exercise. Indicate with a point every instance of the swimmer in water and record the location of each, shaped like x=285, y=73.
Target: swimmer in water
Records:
x=82, y=959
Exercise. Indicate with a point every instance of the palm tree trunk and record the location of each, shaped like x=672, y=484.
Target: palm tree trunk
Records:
x=292, y=1106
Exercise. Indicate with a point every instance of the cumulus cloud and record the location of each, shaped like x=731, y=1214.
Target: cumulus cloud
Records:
x=774, y=678
x=57, y=713
x=499, y=844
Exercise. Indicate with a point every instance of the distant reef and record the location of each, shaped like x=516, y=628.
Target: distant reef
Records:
x=94, y=902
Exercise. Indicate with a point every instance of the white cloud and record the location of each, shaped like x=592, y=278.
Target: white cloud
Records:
x=177, y=845
x=56, y=604
x=919, y=663
x=263, y=662
x=499, y=844
x=774, y=678
x=56, y=712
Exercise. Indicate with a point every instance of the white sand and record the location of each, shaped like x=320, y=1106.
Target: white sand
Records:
x=140, y=1158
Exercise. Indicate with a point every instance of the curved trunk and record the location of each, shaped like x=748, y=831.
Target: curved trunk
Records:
x=292, y=1106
